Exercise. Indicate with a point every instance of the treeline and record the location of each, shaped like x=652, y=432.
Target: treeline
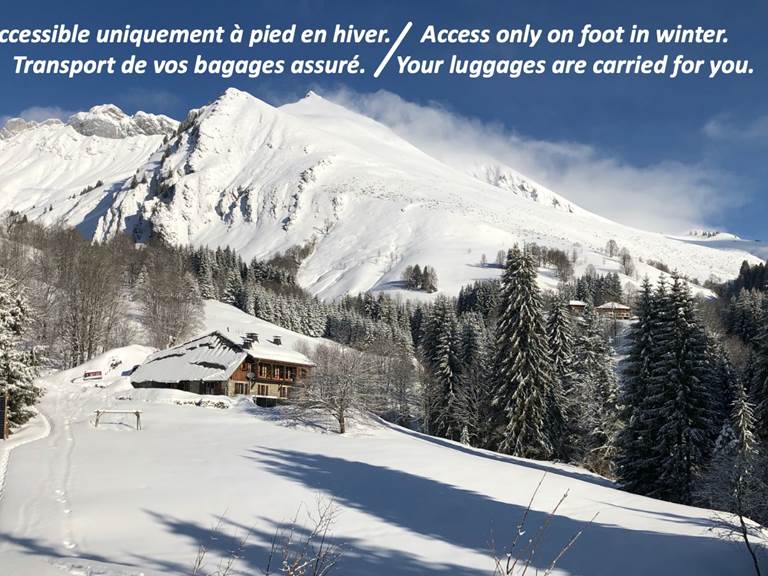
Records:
x=503, y=366
x=85, y=296
x=682, y=399
x=510, y=369
x=737, y=477
x=750, y=278
x=505, y=373
x=594, y=287
x=268, y=290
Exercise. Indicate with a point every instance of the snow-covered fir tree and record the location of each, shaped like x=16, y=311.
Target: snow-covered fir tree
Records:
x=735, y=479
x=594, y=434
x=635, y=464
x=441, y=350
x=204, y=274
x=560, y=340
x=17, y=372
x=723, y=380
x=759, y=383
x=680, y=401
x=233, y=287
x=521, y=400
x=475, y=381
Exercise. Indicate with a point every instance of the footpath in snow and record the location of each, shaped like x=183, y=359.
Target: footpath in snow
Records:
x=114, y=501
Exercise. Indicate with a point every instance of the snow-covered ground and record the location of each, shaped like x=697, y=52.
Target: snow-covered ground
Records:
x=114, y=501
x=730, y=243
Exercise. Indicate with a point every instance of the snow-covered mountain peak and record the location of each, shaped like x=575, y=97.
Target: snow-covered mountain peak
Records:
x=232, y=97
x=109, y=121
x=263, y=179
x=16, y=126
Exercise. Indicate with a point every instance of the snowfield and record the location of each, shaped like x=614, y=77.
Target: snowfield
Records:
x=114, y=501
x=263, y=179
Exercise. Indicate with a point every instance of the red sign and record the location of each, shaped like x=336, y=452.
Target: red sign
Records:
x=92, y=375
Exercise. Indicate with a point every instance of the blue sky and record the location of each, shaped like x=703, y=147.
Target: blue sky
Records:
x=652, y=151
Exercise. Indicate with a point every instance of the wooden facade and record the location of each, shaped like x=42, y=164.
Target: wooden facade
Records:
x=615, y=311
x=266, y=380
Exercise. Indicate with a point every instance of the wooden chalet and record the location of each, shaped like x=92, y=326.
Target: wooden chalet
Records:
x=615, y=311
x=577, y=306
x=219, y=365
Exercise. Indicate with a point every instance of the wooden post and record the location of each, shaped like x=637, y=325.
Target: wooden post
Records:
x=98, y=415
x=5, y=431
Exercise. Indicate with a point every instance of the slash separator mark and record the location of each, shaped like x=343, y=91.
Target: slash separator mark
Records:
x=393, y=49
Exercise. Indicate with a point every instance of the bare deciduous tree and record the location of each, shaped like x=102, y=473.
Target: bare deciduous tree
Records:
x=341, y=382
x=170, y=300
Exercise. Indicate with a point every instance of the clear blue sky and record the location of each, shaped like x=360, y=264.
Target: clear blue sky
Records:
x=642, y=122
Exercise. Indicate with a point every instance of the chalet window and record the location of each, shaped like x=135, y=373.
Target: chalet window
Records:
x=264, y=371
x=239, y=388
x=262, y=390
x=277, y=372
x=283, y=391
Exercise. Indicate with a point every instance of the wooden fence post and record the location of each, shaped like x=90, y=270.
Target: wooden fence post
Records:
x=5, y=430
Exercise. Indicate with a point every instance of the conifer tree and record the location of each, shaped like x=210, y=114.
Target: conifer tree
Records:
x=759, y=391
x=205, y=277
x=734, y=480
x=474, y=395
x=596, y=394
x=440, y=345
x=681, y=401
x=723, y=381
x=17, y=373
x=560, y=341
x=233, y=288
x=635, y=467
x=521, y=401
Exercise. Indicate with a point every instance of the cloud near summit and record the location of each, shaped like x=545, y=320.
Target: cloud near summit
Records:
x=665, y=197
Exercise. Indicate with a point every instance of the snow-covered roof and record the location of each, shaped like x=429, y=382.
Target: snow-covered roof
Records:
x=613, y=306
x=209, y=358
x=269, y=351
x=577, y=303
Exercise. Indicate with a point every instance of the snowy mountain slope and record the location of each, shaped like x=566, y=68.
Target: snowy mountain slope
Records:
x=263, y=179
x=115, y=501
x=728, y=242
x=51, y=170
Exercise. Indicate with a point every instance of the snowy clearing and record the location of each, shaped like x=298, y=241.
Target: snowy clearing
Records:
x=116, y=501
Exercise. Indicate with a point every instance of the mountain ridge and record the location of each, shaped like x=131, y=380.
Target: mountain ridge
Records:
x=241, y=172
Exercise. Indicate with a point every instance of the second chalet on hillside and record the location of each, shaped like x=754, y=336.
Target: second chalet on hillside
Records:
x=219, y=365
x=613, y=310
